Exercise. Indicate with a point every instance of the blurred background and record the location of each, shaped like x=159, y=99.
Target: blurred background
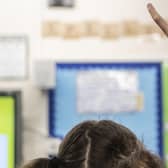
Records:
x=66, y=61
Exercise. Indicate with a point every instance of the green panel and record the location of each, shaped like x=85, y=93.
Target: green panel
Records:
x=166, y=140
x=7, y=112
x=165, y=107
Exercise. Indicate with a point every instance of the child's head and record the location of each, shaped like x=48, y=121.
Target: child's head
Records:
x=99, y=144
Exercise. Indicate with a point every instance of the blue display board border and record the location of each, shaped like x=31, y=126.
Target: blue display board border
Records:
x=85, y=66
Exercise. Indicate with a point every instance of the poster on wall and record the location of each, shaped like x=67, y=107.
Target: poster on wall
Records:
x=13, y=57
x=61, y=3
x=3, y=153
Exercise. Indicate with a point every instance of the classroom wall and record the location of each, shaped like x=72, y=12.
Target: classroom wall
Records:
x=24, y=17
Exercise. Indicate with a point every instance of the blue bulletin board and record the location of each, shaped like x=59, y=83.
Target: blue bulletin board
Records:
x=147, y=124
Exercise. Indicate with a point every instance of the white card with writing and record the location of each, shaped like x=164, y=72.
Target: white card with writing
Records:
x=3, y=151
x=108, y=91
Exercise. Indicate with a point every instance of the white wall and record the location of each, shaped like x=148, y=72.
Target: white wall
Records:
x=106, y=10
x=25, y=17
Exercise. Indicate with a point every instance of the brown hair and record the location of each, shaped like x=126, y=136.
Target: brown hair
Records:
x=100, y=144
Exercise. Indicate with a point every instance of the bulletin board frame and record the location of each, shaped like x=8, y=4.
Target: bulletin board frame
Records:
x=16, y=95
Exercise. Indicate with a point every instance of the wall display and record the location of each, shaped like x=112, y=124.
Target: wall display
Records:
x=13, y=57
x=65, y=99
x=4, y=151
x=61, y=3
x=125, y=85
x=104, y=30
x=10, y=143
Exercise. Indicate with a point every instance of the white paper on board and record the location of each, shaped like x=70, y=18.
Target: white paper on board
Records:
x=13, y=52
x=3, y=151
x=107, y=91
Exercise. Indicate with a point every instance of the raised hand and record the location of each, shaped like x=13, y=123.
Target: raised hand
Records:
x=158, y=19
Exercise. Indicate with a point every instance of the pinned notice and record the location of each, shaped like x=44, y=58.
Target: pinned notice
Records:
x=4, y=151
x=108, y=91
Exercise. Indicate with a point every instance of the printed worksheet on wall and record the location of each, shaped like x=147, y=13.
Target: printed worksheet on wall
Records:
x=4, y=151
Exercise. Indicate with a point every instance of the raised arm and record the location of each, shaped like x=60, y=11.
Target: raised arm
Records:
x=158, y=19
